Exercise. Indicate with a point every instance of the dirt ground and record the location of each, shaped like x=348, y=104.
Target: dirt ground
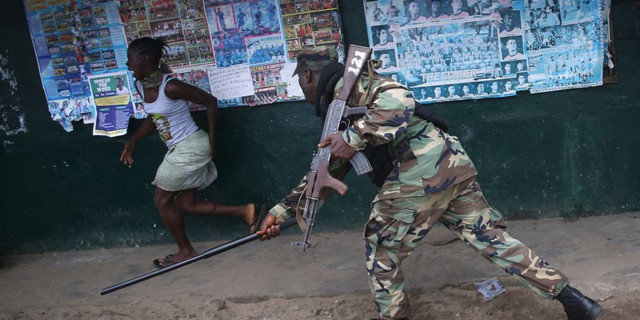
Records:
x=269, y=280
x=449, y=302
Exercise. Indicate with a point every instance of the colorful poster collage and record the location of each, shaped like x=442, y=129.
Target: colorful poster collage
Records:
x=64, y=111
x=244, y=35
x=72, y=40
x=240, y=51
x=181, y=23
x=196, y=77
x=235, y=41
x=309, y=23
x=257, y=41
x=565, y=44
x=449, y=50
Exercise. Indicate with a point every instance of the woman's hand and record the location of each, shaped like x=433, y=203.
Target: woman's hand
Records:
x=126, y=155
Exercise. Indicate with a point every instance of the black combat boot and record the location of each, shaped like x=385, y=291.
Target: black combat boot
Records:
x=577, y=306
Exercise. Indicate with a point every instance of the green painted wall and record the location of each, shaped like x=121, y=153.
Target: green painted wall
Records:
x=563, y=154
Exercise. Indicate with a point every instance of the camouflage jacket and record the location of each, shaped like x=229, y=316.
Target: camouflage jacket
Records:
x=425, y=159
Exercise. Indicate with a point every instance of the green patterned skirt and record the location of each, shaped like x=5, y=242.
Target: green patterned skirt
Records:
x=187, y=165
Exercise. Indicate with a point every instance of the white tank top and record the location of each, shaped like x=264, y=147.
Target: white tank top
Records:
x=172, y=117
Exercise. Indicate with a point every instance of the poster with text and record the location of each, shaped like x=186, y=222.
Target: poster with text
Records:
x=114, y=106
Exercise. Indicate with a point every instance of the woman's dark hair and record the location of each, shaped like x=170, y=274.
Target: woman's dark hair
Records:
x=155, y=48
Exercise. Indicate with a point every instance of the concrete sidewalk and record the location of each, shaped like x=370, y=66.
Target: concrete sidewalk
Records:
x=600, y=254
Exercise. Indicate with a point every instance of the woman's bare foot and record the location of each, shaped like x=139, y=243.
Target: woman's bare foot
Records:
x=173, y=259
x=251, y=217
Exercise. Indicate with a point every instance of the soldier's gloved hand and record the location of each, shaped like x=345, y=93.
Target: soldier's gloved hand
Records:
x=339, y=148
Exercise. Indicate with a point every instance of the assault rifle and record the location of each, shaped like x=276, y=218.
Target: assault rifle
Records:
x=319, y=177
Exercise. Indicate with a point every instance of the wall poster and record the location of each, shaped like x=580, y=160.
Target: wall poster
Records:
x=71, y=41
x=112, y=95
x=242, y=52
x=449, y=50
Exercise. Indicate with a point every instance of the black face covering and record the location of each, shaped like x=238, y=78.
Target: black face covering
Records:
x=330, y=75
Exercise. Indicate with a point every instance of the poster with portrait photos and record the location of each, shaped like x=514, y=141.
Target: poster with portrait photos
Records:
x=449, y=50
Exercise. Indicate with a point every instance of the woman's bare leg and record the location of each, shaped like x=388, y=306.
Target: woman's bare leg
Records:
x=186, y=202
x=164, y=202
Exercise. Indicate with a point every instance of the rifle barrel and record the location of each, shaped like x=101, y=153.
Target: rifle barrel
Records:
x=204, y=255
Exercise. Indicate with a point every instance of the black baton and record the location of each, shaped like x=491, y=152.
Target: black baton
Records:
x=204, y=255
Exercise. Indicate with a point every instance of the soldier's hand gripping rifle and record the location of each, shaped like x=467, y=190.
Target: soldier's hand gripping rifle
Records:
x=319, y=177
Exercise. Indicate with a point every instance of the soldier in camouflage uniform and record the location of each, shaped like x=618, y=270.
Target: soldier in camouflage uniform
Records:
x=431, y=179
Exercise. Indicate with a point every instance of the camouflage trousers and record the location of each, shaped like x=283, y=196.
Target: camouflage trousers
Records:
x=396, y=227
